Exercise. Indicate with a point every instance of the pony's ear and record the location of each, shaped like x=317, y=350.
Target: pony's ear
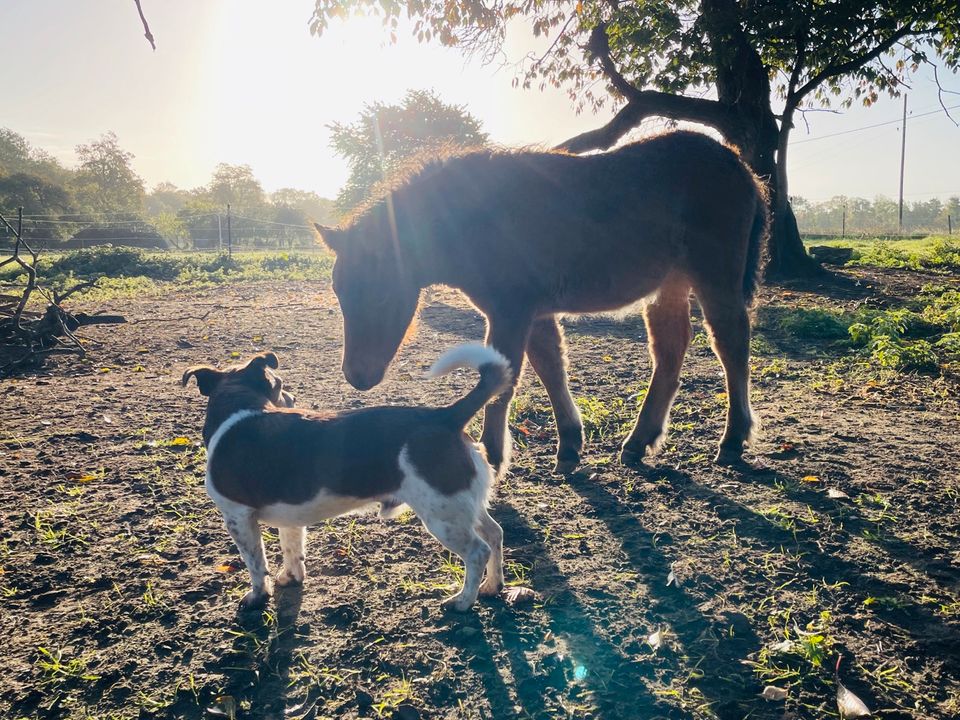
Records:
x=267, y=359
x=207, y=378
x=330, y=236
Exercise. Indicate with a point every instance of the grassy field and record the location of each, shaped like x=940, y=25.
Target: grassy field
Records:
x=128, y=272
x=934, y=251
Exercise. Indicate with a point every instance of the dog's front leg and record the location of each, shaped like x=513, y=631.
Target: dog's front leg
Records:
x=245, y=531
x=292, y=543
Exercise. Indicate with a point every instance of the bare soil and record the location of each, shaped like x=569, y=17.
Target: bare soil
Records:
x=677, y=591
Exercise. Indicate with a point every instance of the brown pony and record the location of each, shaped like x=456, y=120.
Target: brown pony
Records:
x=528, y=236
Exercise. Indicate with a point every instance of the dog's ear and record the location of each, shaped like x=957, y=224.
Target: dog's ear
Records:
x=207, y=378
x=330, y=236
x=265, y=359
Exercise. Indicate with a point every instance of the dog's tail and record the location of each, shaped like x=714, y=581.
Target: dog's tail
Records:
x=495, y=377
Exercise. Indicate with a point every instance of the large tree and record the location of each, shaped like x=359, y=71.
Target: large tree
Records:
x=105, y=181
x=237, y=185
x=742, y=67
x=388, y=136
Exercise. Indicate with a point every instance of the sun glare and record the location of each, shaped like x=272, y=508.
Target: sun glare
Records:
x=259, y=67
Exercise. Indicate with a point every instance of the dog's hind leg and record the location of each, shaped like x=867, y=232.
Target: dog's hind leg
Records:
x=292, y=544
x=464, y=541
x=492, y=534
x=245, y=531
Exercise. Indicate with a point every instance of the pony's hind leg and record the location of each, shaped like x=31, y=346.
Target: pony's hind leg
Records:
x=728, y=320
x=668, y=336
x=546, y=351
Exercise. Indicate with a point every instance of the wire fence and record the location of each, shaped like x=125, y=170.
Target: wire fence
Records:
x=218, y=231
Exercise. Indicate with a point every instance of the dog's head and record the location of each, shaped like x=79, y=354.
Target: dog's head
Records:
x=256, y=376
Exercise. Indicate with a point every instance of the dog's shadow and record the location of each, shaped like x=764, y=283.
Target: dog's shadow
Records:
x=264, y=652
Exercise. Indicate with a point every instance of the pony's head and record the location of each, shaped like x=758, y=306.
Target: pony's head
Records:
x=378, y=299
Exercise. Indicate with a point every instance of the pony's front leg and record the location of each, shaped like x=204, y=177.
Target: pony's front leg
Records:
x=508, y=335
x=546, y=351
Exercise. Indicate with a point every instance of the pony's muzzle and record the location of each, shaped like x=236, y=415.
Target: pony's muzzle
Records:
x=364, y=378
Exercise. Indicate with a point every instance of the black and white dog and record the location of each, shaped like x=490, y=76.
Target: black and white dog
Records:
x=289, y=468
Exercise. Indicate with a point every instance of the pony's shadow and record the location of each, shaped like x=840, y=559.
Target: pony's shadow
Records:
x=918, y=621
x=561, y=651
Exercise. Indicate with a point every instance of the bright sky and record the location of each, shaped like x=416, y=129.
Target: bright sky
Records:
x=243, y=81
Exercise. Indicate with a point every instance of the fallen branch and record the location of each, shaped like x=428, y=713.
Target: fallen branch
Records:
x=29, y=337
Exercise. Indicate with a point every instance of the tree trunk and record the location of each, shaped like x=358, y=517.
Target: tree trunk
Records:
x=762, y=149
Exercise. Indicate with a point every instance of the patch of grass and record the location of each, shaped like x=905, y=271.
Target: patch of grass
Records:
x=805, y=323
x=396, y=694
x=126, y=272
x=923, y=335
x=600, y=418
x=57, y=669
x=54, y=536
x=933, y=252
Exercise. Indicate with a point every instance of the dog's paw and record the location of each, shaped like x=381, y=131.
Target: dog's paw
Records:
x=291, y=576
x=457, y=603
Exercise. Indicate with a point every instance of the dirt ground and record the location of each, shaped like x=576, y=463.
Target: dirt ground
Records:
x=677, y=591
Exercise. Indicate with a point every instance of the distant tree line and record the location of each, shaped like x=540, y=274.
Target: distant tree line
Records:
x=879, y=216
x=103, y=198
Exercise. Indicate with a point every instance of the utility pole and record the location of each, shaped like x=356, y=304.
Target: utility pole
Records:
x=843, y=227
x=903, y=154
x=229, y=233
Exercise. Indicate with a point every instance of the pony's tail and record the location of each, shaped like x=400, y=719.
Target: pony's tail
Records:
x=495, y=377
x=757, y=247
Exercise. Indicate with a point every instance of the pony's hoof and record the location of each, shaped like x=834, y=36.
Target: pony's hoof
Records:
x=566, y=466
x=254, y=600
x=730, y=457
x=631, y=458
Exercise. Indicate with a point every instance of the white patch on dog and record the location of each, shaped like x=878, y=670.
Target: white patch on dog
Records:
x=224, y=428
x=322, y=506
x=454, y=520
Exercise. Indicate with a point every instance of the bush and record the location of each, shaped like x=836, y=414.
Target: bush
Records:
x=135, y=269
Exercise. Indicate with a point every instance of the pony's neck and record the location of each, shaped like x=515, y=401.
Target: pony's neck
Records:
x=421, y=258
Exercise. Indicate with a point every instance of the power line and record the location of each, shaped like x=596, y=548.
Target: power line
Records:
x=870, y=127
x=273, y=222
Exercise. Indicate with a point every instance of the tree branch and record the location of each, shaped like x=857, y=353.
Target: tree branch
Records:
x=650, y=103
x=146, y=28
x=854, y=63
x=641, y=104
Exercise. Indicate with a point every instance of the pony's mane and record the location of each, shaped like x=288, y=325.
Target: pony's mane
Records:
x=427, y=163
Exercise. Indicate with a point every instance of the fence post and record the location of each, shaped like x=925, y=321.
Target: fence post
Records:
x=229, y=233
x=843, y=227
x=949, y=225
